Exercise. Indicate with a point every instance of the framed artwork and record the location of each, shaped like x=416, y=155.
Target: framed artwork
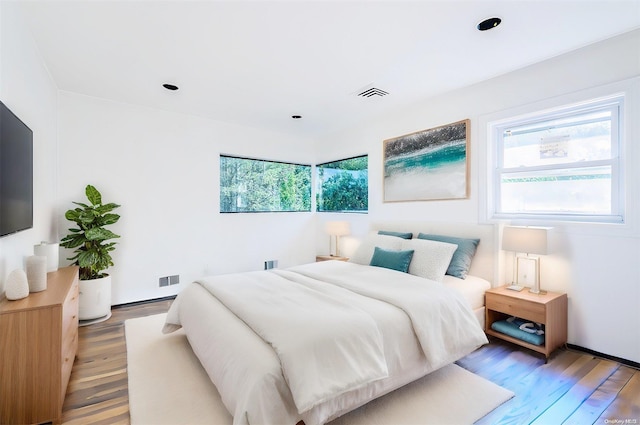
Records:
x=428, y=165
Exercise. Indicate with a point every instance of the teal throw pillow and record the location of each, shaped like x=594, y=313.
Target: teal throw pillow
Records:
x=394, y=260
x=461, y=261
x=402, y=235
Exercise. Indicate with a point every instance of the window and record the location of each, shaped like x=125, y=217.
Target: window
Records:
x=255, y=185
x=560, y=165
x=343, y=186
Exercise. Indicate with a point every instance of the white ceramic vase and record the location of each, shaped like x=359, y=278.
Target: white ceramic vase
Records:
x=17, y=285
x=37, y=273
x=95, y=298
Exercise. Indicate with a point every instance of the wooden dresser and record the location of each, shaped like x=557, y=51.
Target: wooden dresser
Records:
x=38, y=343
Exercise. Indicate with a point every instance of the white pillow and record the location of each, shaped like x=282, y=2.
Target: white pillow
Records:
x=430, y=258
x=365, y=251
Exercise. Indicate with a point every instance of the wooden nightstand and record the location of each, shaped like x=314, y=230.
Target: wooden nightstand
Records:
x=549, y=309
x=330, y=257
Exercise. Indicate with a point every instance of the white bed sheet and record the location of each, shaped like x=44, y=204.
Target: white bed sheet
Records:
x=472, y=289
x=251, y=383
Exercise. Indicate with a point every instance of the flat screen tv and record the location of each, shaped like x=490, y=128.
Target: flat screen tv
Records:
x=16, y=173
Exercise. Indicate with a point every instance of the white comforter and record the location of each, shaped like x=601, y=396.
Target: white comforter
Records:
x=326, y=346
x=421, y=325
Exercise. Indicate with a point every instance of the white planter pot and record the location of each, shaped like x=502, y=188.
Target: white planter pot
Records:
x=95, y=298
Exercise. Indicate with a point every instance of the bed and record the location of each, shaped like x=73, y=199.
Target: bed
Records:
x=312, y=342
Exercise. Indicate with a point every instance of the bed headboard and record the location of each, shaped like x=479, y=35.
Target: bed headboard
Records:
x=485, y=262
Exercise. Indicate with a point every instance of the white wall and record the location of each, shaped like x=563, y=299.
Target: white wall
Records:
x=163, y=168
x=27, y=89
x=597, y=266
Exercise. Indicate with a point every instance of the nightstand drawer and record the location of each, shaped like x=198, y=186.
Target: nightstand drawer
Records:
x=516, y=307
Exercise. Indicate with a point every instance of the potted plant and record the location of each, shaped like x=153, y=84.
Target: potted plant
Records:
x=92, y=252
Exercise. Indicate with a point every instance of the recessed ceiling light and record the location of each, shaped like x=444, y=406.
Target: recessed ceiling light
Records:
x=296, y=117
x=171, y=87
x=489, y=23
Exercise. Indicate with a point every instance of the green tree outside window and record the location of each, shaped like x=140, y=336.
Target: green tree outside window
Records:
x=343, y=185
x=255, y=185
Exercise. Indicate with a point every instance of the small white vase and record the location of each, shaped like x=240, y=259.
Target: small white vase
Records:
x=95, y=298
x=37, y=273
x=17, y=286
x=50, y=251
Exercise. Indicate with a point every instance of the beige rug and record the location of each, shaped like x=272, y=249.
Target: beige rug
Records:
x=167, y=385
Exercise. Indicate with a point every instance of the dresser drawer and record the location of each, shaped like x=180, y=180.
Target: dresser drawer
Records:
x=68, y=356
x=70, y=308
x=69, y=344
x=516, y=307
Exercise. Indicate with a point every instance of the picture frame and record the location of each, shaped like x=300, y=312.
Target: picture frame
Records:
x=427, y=165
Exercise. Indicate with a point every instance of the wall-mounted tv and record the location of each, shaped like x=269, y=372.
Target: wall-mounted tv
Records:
x=16, y=173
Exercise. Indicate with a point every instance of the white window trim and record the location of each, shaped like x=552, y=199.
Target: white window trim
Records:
x=615, y=104
x=629, y=155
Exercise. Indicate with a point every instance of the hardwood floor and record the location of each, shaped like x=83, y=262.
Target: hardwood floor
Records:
x=572, y=388
x=97, y=391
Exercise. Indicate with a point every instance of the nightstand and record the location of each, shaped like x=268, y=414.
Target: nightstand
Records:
x=549, y=309
x=331, y=257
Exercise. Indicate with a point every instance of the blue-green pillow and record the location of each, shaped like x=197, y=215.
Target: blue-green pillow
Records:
x=398, y=234
x=461, y=261
x=512, y=329
x=394, y=260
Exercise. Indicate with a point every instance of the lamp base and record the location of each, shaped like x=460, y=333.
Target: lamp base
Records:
x=537, y=291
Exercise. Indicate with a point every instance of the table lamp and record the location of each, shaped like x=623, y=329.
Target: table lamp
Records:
x=528, y=240
x=336, y=229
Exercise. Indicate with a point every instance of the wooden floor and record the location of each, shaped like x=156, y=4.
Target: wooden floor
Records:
x=97, y=391
x=572, y=388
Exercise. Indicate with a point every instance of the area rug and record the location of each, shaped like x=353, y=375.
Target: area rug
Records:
x=167, y=385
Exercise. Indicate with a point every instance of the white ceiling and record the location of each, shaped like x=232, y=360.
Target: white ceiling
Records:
x=257, y=63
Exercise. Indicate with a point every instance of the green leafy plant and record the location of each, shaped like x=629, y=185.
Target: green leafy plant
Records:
x=93, y=252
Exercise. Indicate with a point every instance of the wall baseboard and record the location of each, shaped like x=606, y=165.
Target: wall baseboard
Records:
x=135, y=303
x=625, y=362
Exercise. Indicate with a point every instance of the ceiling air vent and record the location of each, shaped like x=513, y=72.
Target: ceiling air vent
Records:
x=373, y=92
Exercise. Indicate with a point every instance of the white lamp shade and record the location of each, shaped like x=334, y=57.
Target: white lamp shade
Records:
x=337, y=228
x=530, y=240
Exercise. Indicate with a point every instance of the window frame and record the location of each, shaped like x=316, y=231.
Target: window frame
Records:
x=317, y=186
x=495, y=131
x=309, y=166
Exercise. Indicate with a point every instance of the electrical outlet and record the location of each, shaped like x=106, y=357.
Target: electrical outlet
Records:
x=163, y=281
x=271, y=264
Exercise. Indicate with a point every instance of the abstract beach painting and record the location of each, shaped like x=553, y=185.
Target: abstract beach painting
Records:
x=428, y=165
